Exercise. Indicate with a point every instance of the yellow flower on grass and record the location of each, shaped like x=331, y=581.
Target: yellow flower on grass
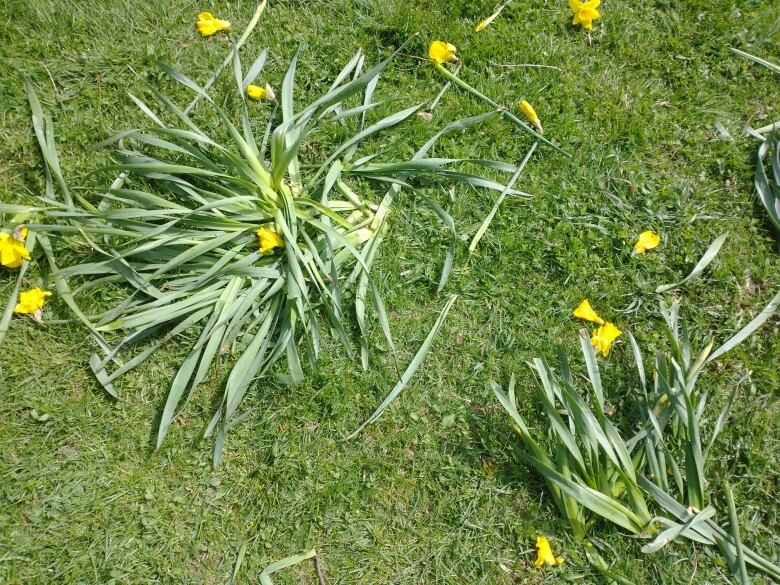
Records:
x=544, y=554
x=269, y=240
x=208, y=25
x=12, y=249
x=531, y=115
x=441, y=52
x=585, y=311
x=603, y=338
x=646, y=241
x=585, y=12
x=258, y=93
x=31, y=303
x=255, y=92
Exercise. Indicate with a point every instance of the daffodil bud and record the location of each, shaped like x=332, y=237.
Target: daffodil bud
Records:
x=531, y=116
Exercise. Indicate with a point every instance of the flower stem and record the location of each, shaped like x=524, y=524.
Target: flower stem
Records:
x=512, y=118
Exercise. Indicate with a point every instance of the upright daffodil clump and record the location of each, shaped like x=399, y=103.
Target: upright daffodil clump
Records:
x=246, y=243
x=654, y=484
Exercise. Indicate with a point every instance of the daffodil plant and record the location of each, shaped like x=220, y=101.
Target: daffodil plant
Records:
x=246, y=242
x=592, y=472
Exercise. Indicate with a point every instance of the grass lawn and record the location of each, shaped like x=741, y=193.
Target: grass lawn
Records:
x=431, y=493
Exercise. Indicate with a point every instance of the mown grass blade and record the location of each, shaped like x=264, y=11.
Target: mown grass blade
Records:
x=411, y=369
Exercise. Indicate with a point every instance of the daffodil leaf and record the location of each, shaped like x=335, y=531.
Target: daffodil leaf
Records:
x=768, y=311
x=411, y=369
x=705, y=260
x=229, y=57
x=254, y=69
x=265, y=576
x=489, y=218
x=759, y=60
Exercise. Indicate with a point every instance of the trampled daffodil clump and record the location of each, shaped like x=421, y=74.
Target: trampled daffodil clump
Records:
x=250, y=243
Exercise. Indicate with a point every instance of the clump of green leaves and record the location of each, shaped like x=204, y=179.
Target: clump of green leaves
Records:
x=179, y=229
x=592, y=472
x=767, y=189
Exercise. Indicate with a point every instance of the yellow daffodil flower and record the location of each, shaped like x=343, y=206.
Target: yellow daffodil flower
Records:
x=544, y=554
x=12, y=249
x=258, y=93
x=441, y=52
x=255, y=92
x=646, y=241
x=531, y=115
x=208, y=25
x=603, y=338
x=585, y=12
x=585, y=311
x=31, y=303
x=269, y=240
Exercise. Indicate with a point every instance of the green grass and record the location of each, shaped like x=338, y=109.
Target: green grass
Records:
x=83, y=497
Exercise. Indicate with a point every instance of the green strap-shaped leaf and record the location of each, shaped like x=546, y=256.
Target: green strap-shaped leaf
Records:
x=411, y=369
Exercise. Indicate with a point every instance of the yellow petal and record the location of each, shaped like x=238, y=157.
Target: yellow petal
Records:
x=31, y=300
x=441, y=52
x=12, y=251
x=585, y=311
x=255, y=92
x=208, y=25
x=603, y=338
x=646, y=241
x=575, y=6
x=269, y=240
x=544, y=554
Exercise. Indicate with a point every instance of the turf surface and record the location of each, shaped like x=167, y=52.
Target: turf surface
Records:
x=432, y=493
